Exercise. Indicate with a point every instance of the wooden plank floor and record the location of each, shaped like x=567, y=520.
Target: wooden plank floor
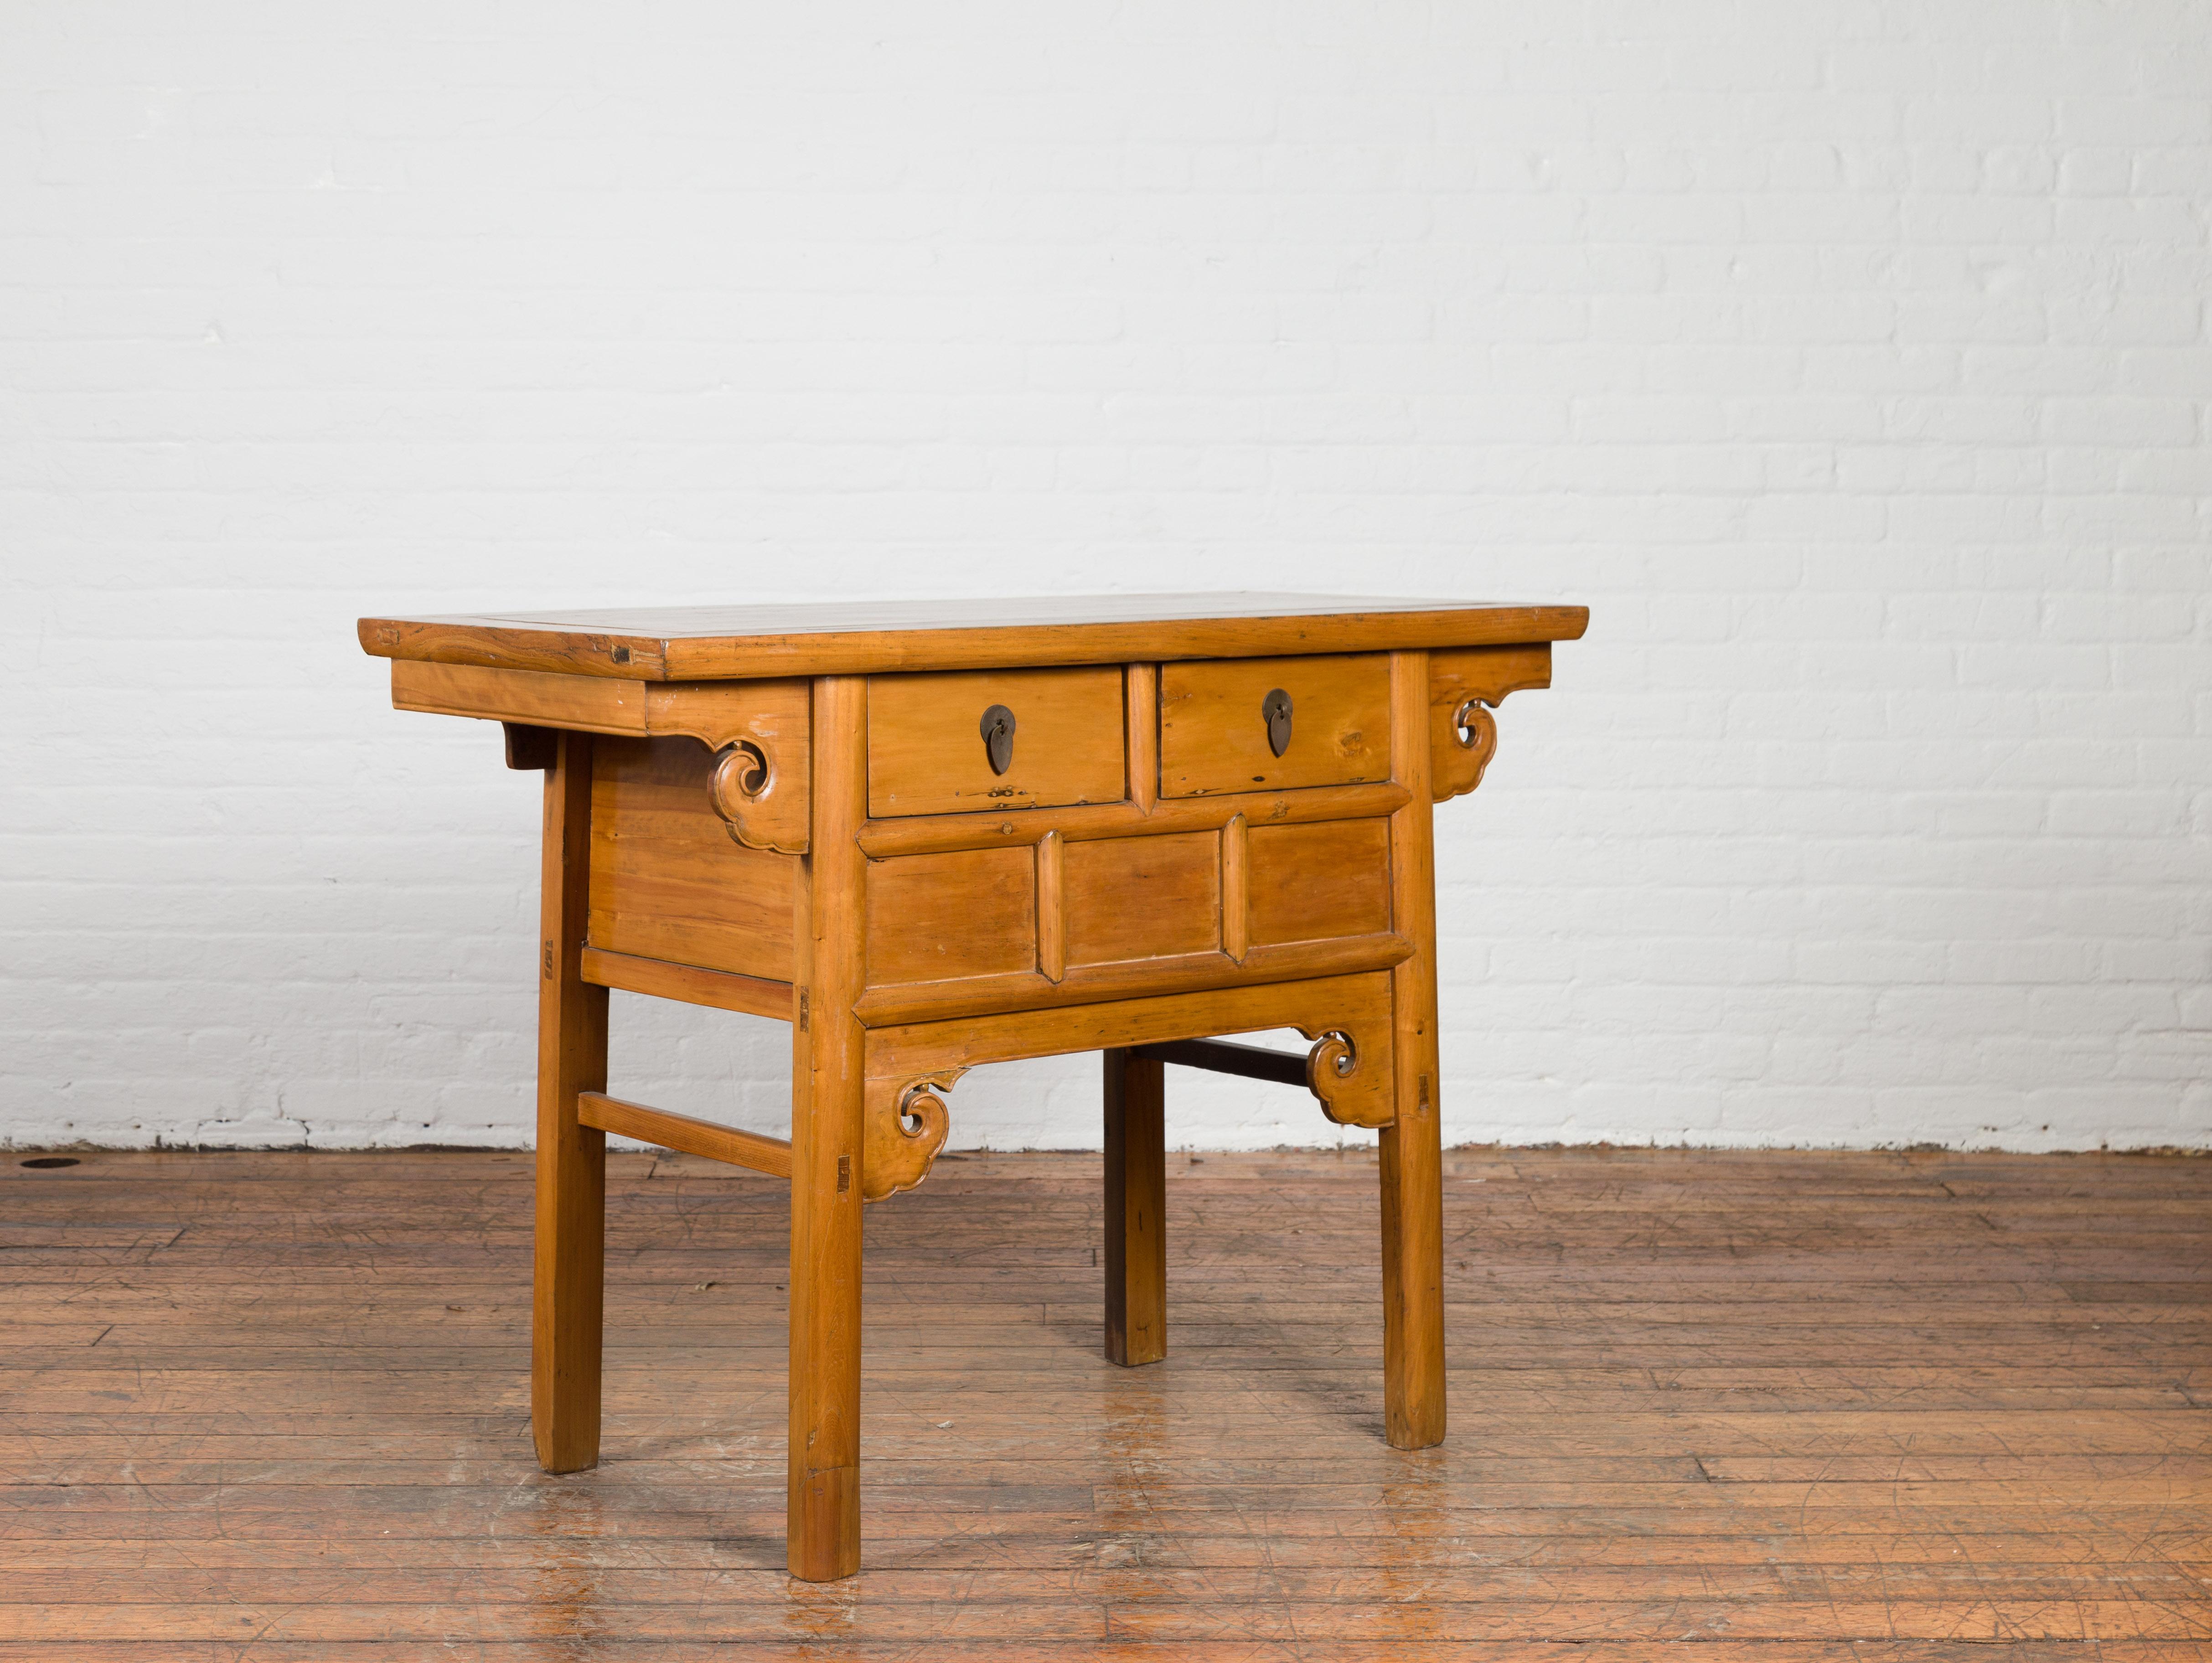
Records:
x=1887, y=1408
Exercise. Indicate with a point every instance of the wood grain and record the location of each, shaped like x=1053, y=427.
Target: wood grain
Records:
x=1236, y=889
x=686, y=1134
x=589, y=704
x=1089, y=984
x=1140, y=694
x=1134, y=925
x=1135, y=1209
x=769, y=718
x=1213, y=741
x=1142, y=898
x=760, y=733
x=866, y=638
x=927, y=754
x=1051, y=906
x=907, y=1051
x=822, y=1516
x=1410, y=1147
x=571, y=1176
x=1719, y=1406
x=1474, y=679
x=941, y=834
x=1353, y=1070
x=1317, y=883
x=722, y=990
x=905, y=1122
x=668, y=881
x=952, y=917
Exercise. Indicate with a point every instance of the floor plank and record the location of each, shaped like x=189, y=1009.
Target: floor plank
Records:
x=1892, y=1408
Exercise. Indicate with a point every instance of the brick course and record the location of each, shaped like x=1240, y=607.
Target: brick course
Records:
x=1850, y=360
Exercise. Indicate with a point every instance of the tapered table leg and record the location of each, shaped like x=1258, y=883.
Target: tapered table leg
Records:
x=1136, y=1201
x=823, y=1526
x=569, y=1261
x=1412, y=1146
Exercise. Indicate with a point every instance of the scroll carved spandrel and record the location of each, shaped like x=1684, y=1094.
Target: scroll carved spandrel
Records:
x=744, y=776
x=906, y=1124
x=1475, y=731
x=1464, y=686
x=763, y=777
x=1349, y=1071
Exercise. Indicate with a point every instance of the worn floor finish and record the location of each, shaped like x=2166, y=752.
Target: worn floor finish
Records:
x=1708, y=1406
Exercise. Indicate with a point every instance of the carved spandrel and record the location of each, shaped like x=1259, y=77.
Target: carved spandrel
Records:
x=1349, y=1071
x=760, y=731
x=741, y=788
x=1474, y=732
x=905, y=1125
x=1464, y=685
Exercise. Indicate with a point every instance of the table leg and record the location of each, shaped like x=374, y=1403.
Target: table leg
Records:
x=823, y=1517
x=823, y=1526
x=1136, y=1201
x=1412, y=1278
x=1412, y=1146
x=569, y=1260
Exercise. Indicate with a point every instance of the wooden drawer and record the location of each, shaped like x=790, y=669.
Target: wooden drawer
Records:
x=1213, y=726
x=926, y=753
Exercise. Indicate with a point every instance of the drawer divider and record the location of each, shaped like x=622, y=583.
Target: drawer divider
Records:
x=1052, y=907
x=1235, y=892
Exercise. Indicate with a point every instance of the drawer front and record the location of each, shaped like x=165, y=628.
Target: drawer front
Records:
x=927, y=753
x=1215, y=728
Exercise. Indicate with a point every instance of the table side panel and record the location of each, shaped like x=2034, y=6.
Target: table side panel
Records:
x=668, y=879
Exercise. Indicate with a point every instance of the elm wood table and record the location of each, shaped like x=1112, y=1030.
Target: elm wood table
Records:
x=934, y=834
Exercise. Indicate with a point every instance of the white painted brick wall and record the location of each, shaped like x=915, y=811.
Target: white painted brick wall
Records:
x=1849, y=360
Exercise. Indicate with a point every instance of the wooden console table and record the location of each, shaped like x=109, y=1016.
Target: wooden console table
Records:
x=935, y=834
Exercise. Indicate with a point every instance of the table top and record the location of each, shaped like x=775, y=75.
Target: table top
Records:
x=722, y=643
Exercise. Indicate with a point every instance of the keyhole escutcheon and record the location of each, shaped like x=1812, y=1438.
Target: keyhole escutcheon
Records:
x=1275, y=711
x=998, y=730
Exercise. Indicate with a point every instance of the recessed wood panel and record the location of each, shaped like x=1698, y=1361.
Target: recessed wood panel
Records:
x=1319, y=883
x=1142, y=897
x=926, y=753
x=668, y=881
x=1213, y=737
x=935, y=916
